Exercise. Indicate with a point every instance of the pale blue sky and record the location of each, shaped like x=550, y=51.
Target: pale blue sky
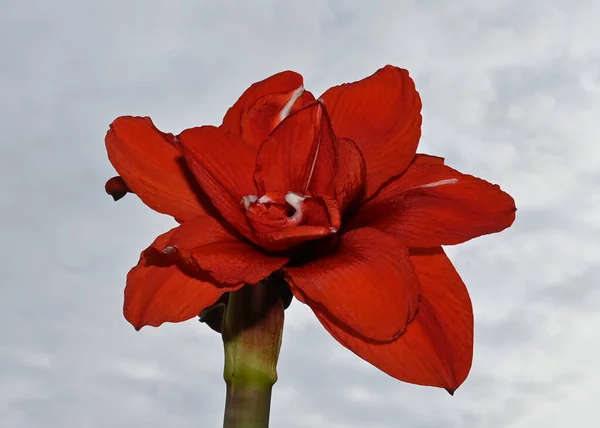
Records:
x=511, y=93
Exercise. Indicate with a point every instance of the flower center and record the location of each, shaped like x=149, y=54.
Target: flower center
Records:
x=275, y=210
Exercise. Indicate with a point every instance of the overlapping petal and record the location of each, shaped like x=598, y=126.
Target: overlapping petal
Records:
x=223, y=165
x=382, y=115
x=151, y=165
x=368, y=285
x=429, y=159
x=432, y=204
x=437, y=347
x=351, y=175
x=264, y=105
x=218, y=252
x=300, y=155
x=162, y=292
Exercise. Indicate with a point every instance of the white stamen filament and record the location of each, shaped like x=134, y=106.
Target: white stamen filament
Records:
x=287, y=108
x=438, y=183
x=312, y=168
x=295, y=201
x=264, y=199
x=247, y=200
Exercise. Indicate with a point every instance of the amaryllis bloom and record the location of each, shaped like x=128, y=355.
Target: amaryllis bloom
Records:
x=327, y=194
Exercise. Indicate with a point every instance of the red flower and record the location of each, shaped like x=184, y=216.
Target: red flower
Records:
x=329, y=192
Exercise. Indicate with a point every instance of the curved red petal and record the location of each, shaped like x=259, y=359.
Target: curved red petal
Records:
x=367, y=285
x=223, y=166
x=382, y=115
x=223, y=255
x=152, y=167
x=117, y=188
x=437, y=347
x=351, y=175
x=429, y=159
x=161, y=292
x=256, y=113
x=432, y=204
x=300, y=155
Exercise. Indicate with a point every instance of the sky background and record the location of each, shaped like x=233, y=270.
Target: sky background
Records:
x=511, y=93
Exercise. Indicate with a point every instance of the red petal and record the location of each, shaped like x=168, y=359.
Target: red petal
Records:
x=368, y=285
x=223, y=165
x=221, y=254
x=423, y=158
x=433, y=204
x=300, y=155
x=153, y=167
x=156, y=294
x=351, y=174
x=117, y=188
x=437, y=347
x=381, y=114
x=269, y=111
x=256, y=113
x=290, y=237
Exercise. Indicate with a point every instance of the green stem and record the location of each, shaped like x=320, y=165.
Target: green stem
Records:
x=252, y=331
x=247, y=406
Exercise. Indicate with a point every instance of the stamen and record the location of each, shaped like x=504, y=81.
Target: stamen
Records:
x=287, y=108
x=247, y=200
x=333, y=229
x=438, y=183
x=312, y=168
x=295, y=201
x=264, y=199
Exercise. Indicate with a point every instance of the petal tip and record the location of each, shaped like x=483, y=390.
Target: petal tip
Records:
x=116, y=187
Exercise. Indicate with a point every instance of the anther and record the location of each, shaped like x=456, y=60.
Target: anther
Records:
x=247, y=200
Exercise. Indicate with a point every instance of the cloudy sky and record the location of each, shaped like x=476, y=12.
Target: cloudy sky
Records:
x=511, y=93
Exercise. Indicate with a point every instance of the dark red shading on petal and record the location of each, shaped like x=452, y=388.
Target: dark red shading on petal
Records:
x=153, y=167
x=213, y=315
x=368, y=284
x=300, y=155
x=221, y=254
x=116, y=187
x=351, y=175
x=437, y=347
x=433, y=204
x=382, y=115
x=223, y=166
x=159, y=293
x=258, y=108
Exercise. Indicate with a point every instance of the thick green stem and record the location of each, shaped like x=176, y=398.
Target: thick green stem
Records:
x=252, y=331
